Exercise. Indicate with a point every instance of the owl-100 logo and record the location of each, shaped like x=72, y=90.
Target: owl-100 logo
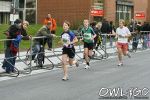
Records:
x=120, y=93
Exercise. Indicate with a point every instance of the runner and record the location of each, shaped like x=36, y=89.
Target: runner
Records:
x=88, y=39
x=68, y=39
x=123, y=34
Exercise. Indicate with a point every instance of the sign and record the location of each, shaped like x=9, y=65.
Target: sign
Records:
x=13, y=17
x=97, y=12
x=140, y=15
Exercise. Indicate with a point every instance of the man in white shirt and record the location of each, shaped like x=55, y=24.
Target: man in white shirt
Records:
x=123, y=34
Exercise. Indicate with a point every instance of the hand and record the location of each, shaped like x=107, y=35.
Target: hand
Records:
x=121, y=36
x=53, y=35
x=92, y=39
x=21, y=36
x=81, y=39
x=29, y=37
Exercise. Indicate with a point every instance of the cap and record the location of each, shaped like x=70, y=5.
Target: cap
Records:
x=17, y=21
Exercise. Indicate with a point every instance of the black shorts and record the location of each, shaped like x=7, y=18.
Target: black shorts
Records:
x=69, y=51
x=90, y=46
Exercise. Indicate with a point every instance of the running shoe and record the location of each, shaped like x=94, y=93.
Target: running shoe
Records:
x=87, y=67
x=65, y=78
x=120, y=64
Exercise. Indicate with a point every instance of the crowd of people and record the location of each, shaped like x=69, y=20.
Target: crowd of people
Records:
x=91, y=34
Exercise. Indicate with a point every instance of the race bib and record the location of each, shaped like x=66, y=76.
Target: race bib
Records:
x=87, y=37
x=66, y=39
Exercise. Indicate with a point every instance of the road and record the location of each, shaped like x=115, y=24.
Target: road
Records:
x=84, y=84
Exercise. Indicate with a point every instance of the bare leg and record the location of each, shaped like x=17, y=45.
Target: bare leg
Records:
x=64, y=65
x=120, y=55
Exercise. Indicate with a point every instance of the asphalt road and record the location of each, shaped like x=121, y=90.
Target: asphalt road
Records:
x=84, y=84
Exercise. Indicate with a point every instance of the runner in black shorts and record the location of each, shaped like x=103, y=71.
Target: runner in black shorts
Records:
x=68, y=39
x=90, y=46
x=69, y=51
x=88, y=39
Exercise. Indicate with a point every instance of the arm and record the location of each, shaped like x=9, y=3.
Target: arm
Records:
x=54, y=24
x=94, y=35
x=45, y=22
x=128, y=33
x=25, y=35
x=45, y=33
x=74, y=40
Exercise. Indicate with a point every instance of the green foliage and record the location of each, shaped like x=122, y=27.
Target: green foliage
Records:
x=32, y=29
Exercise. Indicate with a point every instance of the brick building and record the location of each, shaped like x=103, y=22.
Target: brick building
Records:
x=72, y=10
x=76, y=10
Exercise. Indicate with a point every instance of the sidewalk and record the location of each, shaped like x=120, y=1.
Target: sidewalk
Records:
x=20, y=65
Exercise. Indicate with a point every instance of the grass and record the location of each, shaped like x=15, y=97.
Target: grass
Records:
x=32, y=30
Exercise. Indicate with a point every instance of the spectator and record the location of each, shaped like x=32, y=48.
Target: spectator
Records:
x=98, y=38
x=112, y=29
x=105, y=30
x=132, y=25
x=16, y=31
x=43, y=31
x=52, y=28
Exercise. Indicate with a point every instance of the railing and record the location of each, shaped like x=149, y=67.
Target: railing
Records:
x=102, y=52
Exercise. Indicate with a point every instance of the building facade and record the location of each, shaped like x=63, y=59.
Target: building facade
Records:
x=4, y=11
x=141, y=10
x=75, y=10
x=72, y=10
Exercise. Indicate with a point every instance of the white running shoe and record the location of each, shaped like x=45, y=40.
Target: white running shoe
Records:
x=120, y=64
x=87, y=67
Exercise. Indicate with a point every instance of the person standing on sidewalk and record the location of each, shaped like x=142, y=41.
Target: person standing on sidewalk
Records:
x=52, y=29
x=88, y=39
x=16, y=32
x=122, y=33
x=68, y=39
x=37, y=43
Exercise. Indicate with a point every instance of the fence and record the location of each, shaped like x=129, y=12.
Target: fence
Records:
x=54, y=56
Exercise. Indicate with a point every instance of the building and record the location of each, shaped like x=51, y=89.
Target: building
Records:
x=141, y=10
x=148, y=11
x=23, y=9
x=4, y=11
x=75, y=10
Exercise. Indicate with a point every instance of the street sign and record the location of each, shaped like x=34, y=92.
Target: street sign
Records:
x=97, y=12
x=140, y=15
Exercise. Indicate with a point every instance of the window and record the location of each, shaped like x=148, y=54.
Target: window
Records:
x=21, y=3
x=123, y=12
x=27, y=10
x=30, y=3
x=31, y=15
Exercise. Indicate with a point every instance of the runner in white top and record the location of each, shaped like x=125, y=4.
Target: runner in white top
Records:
x=123, y=34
